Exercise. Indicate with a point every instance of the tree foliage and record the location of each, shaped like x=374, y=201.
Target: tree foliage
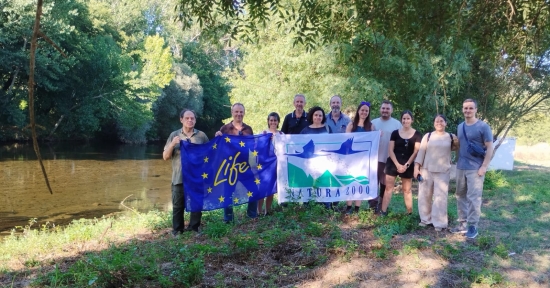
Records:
x=427, y=56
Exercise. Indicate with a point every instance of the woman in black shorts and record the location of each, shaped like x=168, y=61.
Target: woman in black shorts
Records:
x=404, y=145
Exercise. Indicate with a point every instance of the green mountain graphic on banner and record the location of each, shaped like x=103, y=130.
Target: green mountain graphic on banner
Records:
x=346, y=180
x=298, y=178
x=327, y=180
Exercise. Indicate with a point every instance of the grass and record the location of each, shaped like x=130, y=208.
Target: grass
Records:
x=295, y=245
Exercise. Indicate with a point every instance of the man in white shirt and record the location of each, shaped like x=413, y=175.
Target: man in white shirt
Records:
x=387, y=125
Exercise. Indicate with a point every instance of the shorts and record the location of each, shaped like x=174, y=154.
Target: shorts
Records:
x=391, y=170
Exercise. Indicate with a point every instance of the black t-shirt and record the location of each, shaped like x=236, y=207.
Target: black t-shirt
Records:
x=404, y=148
x=293, y=125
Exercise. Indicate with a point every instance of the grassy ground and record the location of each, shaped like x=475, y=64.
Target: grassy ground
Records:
x=297, y=247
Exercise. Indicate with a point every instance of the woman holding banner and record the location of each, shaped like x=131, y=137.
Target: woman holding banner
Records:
x=404, y=145
x=432, y=169
x=361, y=123
x=273, y=121
x=316, y=115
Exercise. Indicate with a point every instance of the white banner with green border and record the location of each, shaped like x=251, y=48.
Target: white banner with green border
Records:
x=327, y=167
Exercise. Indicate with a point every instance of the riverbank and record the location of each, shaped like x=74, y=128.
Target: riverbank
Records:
x=297, y=247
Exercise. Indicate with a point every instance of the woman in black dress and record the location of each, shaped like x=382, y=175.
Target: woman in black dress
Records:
x=404, y=145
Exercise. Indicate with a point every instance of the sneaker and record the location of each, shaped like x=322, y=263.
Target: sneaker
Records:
x=439, y=229
x=422, y=224
x=349, y=210
x=383, y=213
x=472, y=232
x=461, y=228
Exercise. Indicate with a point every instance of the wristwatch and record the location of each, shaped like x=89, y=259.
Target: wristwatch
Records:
x=407, y=164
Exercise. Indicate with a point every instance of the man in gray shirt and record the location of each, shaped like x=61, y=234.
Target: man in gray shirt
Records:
x=336, y=120
x=470, y=170
x=386, y=124
x=188, y=133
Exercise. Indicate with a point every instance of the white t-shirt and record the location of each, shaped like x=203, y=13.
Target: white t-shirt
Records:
x=387, y=127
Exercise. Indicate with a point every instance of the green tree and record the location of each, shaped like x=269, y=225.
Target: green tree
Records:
x=183, y=92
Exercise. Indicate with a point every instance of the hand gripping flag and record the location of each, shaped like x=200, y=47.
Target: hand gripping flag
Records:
x=227, y=171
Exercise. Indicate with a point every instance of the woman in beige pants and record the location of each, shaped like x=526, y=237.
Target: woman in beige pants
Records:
x=433, y=165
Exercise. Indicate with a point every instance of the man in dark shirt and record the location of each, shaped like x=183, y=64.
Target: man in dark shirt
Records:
x=296, y=121
x=238, y=127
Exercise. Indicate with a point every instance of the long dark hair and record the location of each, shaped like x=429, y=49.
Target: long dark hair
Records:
x=367, y=125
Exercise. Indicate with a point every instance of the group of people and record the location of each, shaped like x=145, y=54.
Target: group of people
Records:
x=403, y=152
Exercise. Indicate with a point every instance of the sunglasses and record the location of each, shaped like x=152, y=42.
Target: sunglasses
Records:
x=406, y=142
x=188, y=140
x=240, y=132
x=365, y=103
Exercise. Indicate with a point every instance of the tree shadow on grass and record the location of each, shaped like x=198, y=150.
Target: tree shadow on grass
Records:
x=313, y=247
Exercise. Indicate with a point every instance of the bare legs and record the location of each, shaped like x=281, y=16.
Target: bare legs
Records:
x=268, y=203
x=407, y=193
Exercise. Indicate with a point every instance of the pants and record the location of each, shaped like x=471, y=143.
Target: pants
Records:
x=178, y=209
x=469, y=187
x=375, y=203
x=432, y=198
x=251, y=211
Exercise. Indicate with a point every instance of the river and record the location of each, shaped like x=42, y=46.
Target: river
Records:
x=88, y=180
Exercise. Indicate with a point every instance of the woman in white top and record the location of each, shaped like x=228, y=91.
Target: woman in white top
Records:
x=432, y=169
x=273, y=120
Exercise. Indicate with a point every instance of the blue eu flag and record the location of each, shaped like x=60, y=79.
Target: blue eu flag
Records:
x=227, y=171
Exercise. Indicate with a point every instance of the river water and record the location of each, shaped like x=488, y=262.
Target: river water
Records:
x=88, y=180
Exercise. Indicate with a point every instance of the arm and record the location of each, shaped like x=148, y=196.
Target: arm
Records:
x=169, y=148
x=487, y=160
x=391, y=146
x=349, y=127
x=420, y=156
x=455, y=145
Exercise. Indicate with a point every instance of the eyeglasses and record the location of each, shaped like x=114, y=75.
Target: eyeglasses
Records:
x=188, y=140
x=240, y=132
x=406, y=142
x=365, y=103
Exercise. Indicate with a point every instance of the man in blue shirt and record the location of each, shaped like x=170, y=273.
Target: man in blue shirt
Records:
x=471, y=169
x=336, y=120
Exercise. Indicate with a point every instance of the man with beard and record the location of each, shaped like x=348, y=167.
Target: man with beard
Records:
x=336, y=120
x=296, y=121
x=386, y=124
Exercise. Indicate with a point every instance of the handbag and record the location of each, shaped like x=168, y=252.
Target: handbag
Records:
x=473, y=148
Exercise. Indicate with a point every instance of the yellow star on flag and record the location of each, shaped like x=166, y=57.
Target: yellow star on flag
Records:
x=249, y=194
x=255, y=153
x=241, y=143
x=227, y=140
x=236, y=200
x=221, y=199
x=204, y=175
x=206, y=159
x=259, y=166
x=215, y=146
x=209, y=189
x=257, y=181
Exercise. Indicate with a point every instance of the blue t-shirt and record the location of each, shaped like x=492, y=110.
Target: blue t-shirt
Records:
x=478, y=133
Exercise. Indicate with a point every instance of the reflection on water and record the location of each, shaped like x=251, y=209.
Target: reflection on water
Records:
x=88, y=180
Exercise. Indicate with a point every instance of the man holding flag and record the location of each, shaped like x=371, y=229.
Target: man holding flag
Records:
x=172, y=151
x=238, y=128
